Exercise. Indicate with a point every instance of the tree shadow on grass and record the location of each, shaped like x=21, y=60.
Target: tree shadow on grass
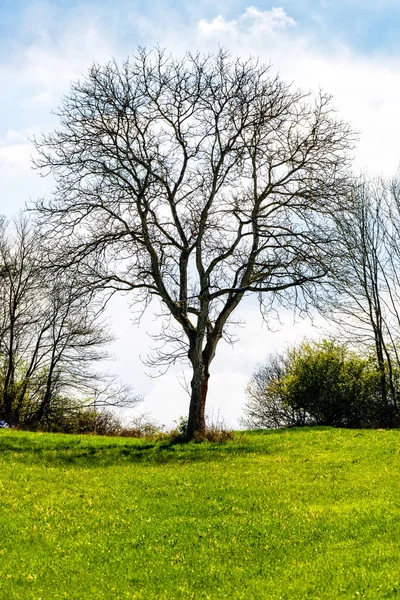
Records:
x=91, y=451
x=87, y=451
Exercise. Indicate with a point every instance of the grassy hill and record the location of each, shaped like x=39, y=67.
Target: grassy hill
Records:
x=306, y=513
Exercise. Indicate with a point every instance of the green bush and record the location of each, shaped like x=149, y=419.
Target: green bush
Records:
x=331, y=384
x=267, y=405
x=317, y=383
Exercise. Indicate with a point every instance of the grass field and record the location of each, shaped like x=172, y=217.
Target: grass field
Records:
x=312, y=513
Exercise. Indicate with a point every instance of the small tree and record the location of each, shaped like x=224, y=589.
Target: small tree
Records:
x=195, y=181
x=267, y=404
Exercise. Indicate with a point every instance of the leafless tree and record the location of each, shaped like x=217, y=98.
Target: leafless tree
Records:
x=366, y=305
x=196, y=181
x=51, y=332
x=19, y=290
x=266, y=406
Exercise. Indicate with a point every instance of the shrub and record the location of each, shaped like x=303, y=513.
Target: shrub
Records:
x=143, y=426
x=331, y=384
x=317, y=383
x=69, y=416
x=267, y=405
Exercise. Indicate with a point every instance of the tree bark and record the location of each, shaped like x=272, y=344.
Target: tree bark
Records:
x=196, y=426
x=9, y=392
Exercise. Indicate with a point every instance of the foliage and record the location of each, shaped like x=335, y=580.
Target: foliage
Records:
x=331, y=384
x=289, y=514
x=266, y=405
x=321, y=383
x=74, y=413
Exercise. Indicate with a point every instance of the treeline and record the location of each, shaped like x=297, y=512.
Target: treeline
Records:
x=52, y=339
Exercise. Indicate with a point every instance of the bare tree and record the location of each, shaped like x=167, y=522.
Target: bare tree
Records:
x=195, y=181
x=20, y=290
x=51, y=333
x=366, y=306
x=266, y=406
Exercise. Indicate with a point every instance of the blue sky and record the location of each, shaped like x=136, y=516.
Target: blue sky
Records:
x=349, y=48
x=368, y=26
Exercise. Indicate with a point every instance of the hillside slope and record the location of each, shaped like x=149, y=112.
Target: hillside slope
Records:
x=306, y=513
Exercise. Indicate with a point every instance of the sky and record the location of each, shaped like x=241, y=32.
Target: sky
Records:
x=349, y=48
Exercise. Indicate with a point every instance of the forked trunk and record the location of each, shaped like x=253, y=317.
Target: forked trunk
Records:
x=196, y=426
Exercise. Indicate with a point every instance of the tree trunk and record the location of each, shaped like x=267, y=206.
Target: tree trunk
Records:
x=47, y=398
x=9, y=394
x=381, y=368
x=8, y=400
x=196, y=426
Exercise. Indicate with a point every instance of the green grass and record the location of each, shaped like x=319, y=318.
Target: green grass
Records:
x=312, y=513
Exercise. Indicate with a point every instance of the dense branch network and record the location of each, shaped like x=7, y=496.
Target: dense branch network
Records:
x=196, y=181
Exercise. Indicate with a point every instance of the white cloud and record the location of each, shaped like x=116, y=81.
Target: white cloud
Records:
x=33, y=79
x=15, y=159
x=252, y=22
x=40, y=70
x=51, y=67
x=366, y=90
x=13, y=137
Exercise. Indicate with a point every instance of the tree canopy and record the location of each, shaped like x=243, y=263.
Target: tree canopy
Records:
x=196, y=181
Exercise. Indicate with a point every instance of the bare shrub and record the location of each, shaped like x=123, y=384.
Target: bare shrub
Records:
x=143, y=426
